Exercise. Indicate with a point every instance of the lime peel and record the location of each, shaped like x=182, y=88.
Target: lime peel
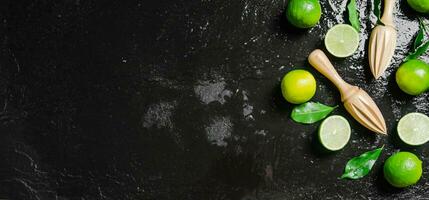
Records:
x=402, y=169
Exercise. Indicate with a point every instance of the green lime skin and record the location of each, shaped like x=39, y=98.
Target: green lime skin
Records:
x=413, y=77
x=304, y=13
x=402, y=169
x=298, y=86
x=421, y=6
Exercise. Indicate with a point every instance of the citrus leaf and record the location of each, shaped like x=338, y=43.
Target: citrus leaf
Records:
x=419, y=47
x=422, y=25
x=311, y=112
x=419, y=39
x=353, y=15
x=377, y=11
x=360, y=166
x=418, y=52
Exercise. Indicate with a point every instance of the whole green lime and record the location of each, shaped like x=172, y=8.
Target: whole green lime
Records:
x=413, y=77
x=304, y=13
x=298, y=86
x=402, y=169
x=419, y=5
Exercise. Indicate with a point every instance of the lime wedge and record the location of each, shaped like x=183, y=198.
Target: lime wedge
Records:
x=334, y=132
x=342, y=40
x=413, y=129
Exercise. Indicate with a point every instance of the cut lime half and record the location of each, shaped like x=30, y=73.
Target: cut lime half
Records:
x=334, y=132
x=413, y=129
x=342, y=40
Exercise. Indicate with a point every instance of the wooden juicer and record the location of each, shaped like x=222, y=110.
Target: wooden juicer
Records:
x=356, y=101
x=382, y=42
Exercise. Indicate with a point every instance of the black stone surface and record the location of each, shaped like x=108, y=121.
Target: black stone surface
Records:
x=180, y=100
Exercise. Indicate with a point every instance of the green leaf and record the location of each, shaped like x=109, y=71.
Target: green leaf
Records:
x=420, y=35
x=311, y=112
x=419, y=47
x=353, y=15
x=419, y=39
x=418, y=52
x=422, y=25
x=377, y=10
x=360, y=166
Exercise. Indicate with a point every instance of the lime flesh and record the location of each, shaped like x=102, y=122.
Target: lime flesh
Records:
x=342, y=40
x=334, y=132
x=413, y=129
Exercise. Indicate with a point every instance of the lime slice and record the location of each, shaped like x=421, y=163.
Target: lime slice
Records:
x=334, y=132
x=413, y=129
x=342, y=40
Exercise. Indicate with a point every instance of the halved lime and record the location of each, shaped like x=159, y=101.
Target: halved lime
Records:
x=342, y=40
x=334, y=132
x=413, y=129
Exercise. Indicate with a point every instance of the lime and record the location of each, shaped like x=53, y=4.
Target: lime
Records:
x=298, y=86
x=402, y=169
x=342, y=40
x=419, y=5
x=413, y=129
x=303, y=13
x=413, y=77
x=334, y=132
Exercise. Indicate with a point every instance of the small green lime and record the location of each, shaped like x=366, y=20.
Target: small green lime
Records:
x=298, y=86
x=413, y=77
x=304, y=13
x=402, y=169
x=419, y=5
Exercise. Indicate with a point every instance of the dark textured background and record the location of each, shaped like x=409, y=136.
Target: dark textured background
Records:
x=180, y=99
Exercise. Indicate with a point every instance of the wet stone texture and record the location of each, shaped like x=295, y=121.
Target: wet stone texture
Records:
x=180, y=99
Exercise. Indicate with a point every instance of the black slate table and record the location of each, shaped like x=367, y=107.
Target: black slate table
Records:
x=180, y=100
